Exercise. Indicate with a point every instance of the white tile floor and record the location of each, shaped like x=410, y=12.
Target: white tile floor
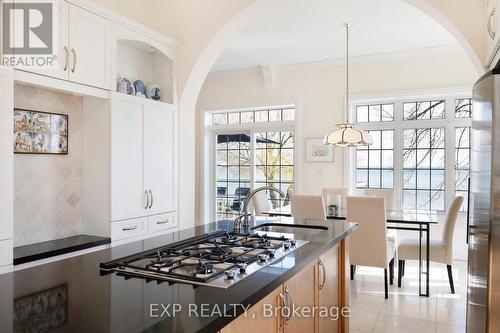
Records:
x=405, y=311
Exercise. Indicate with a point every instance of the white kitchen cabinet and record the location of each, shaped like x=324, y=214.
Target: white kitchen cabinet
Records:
x=159, y=152
x=132, y=228
x=6, y=166
x=89, y=48
x=143, y=157
x=83, y=46
x=491, y=32
x=60, y=40
x=128, y=198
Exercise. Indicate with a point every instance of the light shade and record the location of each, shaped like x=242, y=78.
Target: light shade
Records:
x=348, y=136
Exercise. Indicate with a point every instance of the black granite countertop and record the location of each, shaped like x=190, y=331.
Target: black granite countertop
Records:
x=72, y=296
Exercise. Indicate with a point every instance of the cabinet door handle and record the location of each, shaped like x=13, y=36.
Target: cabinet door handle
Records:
x=147, y=200
x=323, y=280
x=74, y=60
x=129, y=228
x=283, y=303
x=290, y=304
x=162, y=222
x=151, y=204
x=66, y=58
x=490, y=30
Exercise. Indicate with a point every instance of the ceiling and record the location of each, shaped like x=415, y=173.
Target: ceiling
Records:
x=311, y=30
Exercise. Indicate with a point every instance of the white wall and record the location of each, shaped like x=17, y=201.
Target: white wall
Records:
x=48, y=188
x=319, y=97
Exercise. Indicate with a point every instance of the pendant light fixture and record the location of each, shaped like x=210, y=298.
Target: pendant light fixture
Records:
x=347, y=135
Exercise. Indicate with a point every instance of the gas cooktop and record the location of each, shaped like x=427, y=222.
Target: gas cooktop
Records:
x=218, y=259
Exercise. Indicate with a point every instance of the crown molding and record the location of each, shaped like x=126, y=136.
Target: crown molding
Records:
x=395, y=55
x=127, y=22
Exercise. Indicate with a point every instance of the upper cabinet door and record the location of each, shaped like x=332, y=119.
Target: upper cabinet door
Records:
x=60, y=38
x=159, y=156
x=128, y=199
x=89, y=48
x=492, y=35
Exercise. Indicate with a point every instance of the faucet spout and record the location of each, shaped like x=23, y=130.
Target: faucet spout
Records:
x=246, y=202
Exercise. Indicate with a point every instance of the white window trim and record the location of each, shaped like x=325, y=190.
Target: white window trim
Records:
x=211, y=132
x=398, y=125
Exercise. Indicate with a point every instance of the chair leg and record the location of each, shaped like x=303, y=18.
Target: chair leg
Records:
x=450, y=278
x=386, y=284
x=353, y=271
x=391, y=271
x=404, y=266
x=400, y=272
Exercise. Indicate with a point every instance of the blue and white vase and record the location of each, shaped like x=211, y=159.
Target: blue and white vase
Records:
x=153, y=91
x=139, y=88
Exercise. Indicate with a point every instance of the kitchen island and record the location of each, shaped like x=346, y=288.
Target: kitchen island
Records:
x=73, y=295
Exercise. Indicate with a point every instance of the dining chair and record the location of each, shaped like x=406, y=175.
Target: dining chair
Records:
x=308, y=207
x=386, y=193
x=368, y=245
x=261, y=202
x=441, y=250
x=330, y=196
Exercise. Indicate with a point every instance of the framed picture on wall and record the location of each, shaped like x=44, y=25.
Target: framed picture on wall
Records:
x=317, y=151
x=38, y=132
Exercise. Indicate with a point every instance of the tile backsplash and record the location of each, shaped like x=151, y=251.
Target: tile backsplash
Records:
x=48, y=188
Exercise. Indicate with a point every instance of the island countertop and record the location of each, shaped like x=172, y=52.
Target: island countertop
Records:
x=84, y=300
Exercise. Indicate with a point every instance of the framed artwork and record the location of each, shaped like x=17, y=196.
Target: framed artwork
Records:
x=38, y=132
x=317, y=151
x=43, y=311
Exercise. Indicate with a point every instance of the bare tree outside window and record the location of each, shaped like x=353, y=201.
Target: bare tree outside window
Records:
x=424, y=110
x=424, y=168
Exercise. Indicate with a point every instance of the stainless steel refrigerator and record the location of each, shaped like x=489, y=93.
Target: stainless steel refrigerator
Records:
x=483, y=280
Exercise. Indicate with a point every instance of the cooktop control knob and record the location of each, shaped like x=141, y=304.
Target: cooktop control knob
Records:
x=270, y=252
x=286, y=245
x=229, y=274
x=243, y=267
x=293, y=242
x=262, y=257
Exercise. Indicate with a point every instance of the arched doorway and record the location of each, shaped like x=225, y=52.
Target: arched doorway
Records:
x=215, y=47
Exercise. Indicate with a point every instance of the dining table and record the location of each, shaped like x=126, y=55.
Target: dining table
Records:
x=409, y=220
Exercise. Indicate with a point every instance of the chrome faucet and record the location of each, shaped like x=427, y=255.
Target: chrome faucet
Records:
x=243, y=218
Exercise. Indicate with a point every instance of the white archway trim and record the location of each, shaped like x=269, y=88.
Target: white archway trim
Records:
x=429, y=9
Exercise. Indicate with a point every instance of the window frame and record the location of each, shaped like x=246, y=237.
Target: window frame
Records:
x=251, y=128
x=449, y=123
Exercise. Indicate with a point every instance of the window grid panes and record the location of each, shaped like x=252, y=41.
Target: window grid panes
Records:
x=274, y=156
x=424, y=168
x=424, y=110
x=463, y=108
x=233, y=154
x=375, y=163
x=374, y=113
x=462, y=162
x=253, y=116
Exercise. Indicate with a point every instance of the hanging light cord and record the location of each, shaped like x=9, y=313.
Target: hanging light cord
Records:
x=347, y=72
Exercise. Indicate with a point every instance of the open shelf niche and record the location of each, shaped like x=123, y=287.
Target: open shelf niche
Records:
x=138, y=60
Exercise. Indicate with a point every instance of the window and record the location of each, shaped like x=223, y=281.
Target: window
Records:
x=423, y=168
x=463, y=108
x=374, y=113
x=233, y=171
x=412, y=140
x=284, y=113
x=424, y=110
x=252, y=154
x=274, y=163
x=375, y=163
